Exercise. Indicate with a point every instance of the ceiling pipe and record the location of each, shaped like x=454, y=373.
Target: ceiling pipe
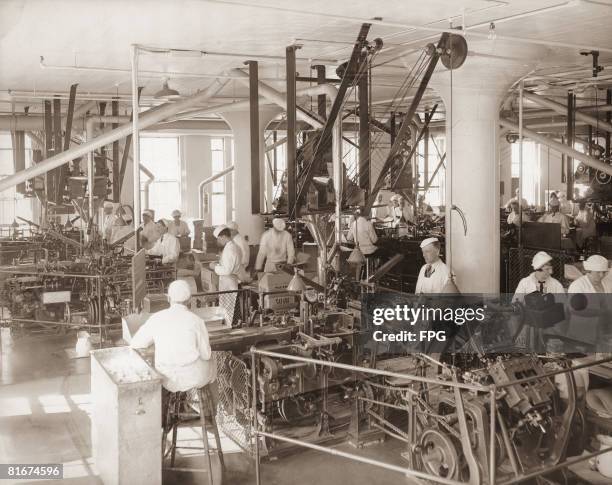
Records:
x=403, y=25
x=148, y=118
x=207, y=181
x=560, y=147
x=562, y=109
x=147, y=184
x=281, y=100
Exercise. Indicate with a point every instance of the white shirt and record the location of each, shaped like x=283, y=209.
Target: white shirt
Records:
x=515, y=199
x=380, y=212
x=565, y=206
x=167, y=247
x=513, y=218
x=439, y=277
x=557, y=218
x=366, y=236
x=182, y=348
x=181, y=230
x=275, y=247
x=244, y=248
x=150, y=231
x=529, y=284
x=585, y=221
x=229, y=267
x=584, y=285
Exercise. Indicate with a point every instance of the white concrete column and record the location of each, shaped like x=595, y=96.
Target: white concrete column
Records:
x=472, y=97
x=250, y=224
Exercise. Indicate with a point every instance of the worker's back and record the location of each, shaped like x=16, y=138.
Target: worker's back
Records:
x=182, y=349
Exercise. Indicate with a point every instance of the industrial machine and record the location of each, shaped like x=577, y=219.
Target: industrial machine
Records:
x=91, y=292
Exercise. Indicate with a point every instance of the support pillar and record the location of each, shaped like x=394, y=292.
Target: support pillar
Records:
x=250, y=224
x=472, y=175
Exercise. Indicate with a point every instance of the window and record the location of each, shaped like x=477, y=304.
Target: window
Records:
x=161, y=156
x=218, y=202
x=435, y=194
x=13, y=204
x=531, y=170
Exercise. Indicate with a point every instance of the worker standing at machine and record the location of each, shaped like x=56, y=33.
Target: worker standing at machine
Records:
x=585, y=224
x=106, y=228
x=362, y=233
x=515, y=199
x=275, y=247
x=555, y=217
x=167, y=246
x=565, y=206
x=182, y=348
x=514, y=218
x=178, y=227
x=434, y=277
x=242, y=243
x=229, y=266
x=596, y=267
x=540, y=279
x=150, y=231
x=380, y=211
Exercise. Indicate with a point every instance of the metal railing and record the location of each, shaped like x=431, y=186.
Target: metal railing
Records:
x=475, y=476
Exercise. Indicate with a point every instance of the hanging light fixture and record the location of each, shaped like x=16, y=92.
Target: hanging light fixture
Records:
x=167, y=93
x=296, y=283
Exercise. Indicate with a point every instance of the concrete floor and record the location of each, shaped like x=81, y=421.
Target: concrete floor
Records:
x=44, y=418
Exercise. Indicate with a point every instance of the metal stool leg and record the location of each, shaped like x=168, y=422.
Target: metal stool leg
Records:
x=202, y=404
x=166, y=425
x=177, y=410
x=215, y=428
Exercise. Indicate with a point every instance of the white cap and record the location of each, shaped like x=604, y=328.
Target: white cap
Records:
x=540, y=259
x=278, y=224
x=232, y=226
x=428, y=241
x=218, y=230
x=176, y=213
x=179, y=291
x=108, y=204
x=147, y=212
x=596, y=263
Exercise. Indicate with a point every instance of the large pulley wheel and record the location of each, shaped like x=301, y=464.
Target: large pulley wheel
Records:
x=438, y=454
x=454, y=51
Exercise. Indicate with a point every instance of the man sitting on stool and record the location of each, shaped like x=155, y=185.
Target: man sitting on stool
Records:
x=182, y=348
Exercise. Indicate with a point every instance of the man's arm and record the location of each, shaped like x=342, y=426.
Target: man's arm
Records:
x=290, y=250
x=261, y=255
x=204, y=343
x=156, y=250
x=144, y=336
x=372, y=233
x=226, y=263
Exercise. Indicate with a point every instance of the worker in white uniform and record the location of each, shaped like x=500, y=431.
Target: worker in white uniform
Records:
x=241, y=242
x=182, y=348
x=585, y=224
x=275, y=247
x=229, y=266
x=380, y=211
x=167, y=246
x=361, y=231
x=555, y=217
x=565, y=206
x=515, y=199
x=150, y=231
x=540, y=279
x=514, y=218
x=593, y=281
x=178, y=227
x=106, y=229
x=434, y=277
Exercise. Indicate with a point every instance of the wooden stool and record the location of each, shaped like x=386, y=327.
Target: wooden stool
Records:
x=180, y=411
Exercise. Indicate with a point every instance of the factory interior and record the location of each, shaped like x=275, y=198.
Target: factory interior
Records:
x=205, y=203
